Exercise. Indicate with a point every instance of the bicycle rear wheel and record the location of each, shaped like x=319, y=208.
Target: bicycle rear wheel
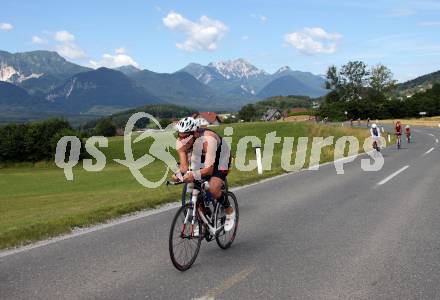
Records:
x=225, y=239
x=184, y=243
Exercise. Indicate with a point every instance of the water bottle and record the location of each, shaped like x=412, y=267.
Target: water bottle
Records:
x=208, y=199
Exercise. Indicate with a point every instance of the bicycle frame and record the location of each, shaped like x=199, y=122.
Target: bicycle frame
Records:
x=194, y=196
x=195, y=188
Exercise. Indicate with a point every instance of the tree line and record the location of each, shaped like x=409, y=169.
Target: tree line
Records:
x=33, y=142
x=356, y=91
x=37, y=141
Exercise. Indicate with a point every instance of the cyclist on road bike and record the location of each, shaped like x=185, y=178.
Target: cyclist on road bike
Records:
x=398, y=132
x=398, y=129
x=214, y=157
x=407, y=132
x=375, y=134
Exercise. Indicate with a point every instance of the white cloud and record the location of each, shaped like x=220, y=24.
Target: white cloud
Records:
x=400, y=12
x=313, y=40
x=67, y=46
x=429, y=24
x=202, y=35
x=64, y=36
x=245, y=37
x=38, y=40
x=119, y=59
x=72, y=51
x=6, y=26
x=318, y=32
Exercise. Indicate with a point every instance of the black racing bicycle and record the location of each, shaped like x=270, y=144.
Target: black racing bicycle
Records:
x=200, y=217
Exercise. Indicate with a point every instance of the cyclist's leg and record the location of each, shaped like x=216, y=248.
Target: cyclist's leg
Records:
x=215, y=186
x=216, y=183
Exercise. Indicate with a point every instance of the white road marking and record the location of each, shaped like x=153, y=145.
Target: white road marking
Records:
x=431, y=135
x=429, y=151
x=436, y=141
x=227, y=284
x=393, y=175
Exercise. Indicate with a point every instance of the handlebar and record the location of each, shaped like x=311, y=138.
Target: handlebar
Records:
x=198, y=184
x=174, y=182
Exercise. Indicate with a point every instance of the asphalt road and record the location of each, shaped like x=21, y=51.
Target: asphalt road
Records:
x=307, y=235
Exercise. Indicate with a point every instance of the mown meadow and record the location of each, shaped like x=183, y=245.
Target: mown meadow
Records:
x=37, y=202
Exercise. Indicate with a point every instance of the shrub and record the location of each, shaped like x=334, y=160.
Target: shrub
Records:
x=105, y=127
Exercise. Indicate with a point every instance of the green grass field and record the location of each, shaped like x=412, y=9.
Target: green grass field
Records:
x=37, y=201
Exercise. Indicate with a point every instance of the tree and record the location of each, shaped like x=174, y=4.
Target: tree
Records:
x=164, y=122
x=32, y=141
x=105, y=127
x=332, y=82
x=349, y=81
x=248, y=113
x=352, y=79
x=381, y=79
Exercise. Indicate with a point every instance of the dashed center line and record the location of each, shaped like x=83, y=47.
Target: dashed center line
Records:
x=429, y=151
x=393, y=175
x=227, y=284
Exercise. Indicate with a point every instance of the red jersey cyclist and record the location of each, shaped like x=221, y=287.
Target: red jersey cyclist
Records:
x=398, y=132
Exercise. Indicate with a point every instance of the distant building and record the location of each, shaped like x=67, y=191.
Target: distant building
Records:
x=226, y=116
x=207, y=118
x=315, y=104
x=272, y=114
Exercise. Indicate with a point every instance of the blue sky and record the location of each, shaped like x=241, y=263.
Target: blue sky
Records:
x=164, y=36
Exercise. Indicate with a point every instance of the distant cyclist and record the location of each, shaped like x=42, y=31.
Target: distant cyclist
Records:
x=375, y=134
x=398, y=132
x=214, y=157
x=408, y=133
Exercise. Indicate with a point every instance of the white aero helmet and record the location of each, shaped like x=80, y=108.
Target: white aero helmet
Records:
x=374, y=125
x=188, y=124
x=407, y=126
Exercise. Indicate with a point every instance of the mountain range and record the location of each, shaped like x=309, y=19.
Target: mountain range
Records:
x=239, y=77
x=56, y=86
x=36, y=71
x=41, y=83
x=419, y=84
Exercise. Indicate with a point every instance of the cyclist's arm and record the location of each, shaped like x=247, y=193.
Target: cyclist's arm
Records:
x=209, y=147
x=183, y=158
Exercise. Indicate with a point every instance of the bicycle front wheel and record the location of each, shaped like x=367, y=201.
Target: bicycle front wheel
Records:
x=224, y=238
x=185, y=238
